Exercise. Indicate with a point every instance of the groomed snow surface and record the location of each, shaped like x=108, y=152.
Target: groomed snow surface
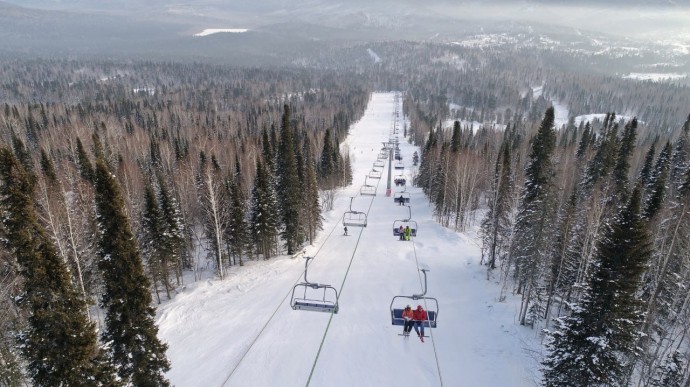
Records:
x=241, y=331
x=211, y=31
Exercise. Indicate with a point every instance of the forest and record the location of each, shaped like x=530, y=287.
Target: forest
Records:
x=118, y=178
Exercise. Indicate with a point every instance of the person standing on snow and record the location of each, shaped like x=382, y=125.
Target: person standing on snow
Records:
x=408, y=316
x=419, y=316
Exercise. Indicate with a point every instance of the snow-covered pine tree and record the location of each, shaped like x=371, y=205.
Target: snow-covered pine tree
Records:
x=60, y=344
x=311, y=208
x=656, y=189
x=173, y=242
x=237, y=231
x=533, y=232
x=327, y=169
x=289, y=194
x=622, y=167
x=670, y=372
x=130, y=331
x=83, y=163
x=594, y=345
x=152, y=232
x=496, y=225
x=264, y=212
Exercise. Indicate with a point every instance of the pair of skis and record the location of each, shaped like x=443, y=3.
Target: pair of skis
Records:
x=408, y=335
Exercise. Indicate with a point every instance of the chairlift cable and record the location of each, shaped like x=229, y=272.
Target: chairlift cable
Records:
x=330, y=319
x=431, y=331
x=336, y=225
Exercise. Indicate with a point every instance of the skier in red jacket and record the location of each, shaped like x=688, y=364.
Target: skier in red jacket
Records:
x=419, y=316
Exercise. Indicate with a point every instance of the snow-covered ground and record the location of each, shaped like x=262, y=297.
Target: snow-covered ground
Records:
x=211, y=31
x=600, y=117
x=655, y=77
x=374, y=55
x=242, y=332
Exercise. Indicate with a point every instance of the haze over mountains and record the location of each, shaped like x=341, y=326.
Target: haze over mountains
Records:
x=164, y=27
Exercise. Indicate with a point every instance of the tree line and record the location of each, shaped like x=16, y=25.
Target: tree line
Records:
x=589, y=226
x=109, y=200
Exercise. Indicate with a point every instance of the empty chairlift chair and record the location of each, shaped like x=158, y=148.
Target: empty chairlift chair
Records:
x=367, y=189
x=314, y=297
x=375, y=174
x=379, y=164
x=431, y=304
x=354, y=218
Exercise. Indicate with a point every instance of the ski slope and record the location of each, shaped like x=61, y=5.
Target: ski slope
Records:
x=242, y=331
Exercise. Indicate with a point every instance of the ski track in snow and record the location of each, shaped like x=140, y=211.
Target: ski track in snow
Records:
x=211, y=324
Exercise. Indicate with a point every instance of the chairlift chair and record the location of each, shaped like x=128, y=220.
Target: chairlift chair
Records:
x=431, y=303
x=354, y=218
x=308, y=296
x=399, y=165
x=375, y=174
x=379, y=164
x=401, y=197
x=405, y=223
x=367, y=189
x=399, y=180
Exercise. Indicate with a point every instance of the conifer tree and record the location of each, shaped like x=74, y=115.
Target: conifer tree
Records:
x=60, y=343
x=288, y=185
x=456, y=140
x=656, y=189
x=646, y=171
x=496, y=225
x=534, y=221
x=622, y=167
x=83, y=163
x=47, y=167
x=681, y=154
x=327, y=170
x=311, y=207
x=173, y=225
x=238, y=229
x=670, y=372
x=153, y=233
x=594, y=345
x=131, y=333
x=264, y=216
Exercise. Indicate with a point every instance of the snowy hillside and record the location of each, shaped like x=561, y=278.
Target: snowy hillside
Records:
x=242, y=332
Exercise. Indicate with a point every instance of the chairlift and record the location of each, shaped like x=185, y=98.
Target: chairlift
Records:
x=375, y=174
x=312, y=298
x=383, y=155
x=399, y=165
x=367, y=189
x=432, y=307
x=399, y=180
x=354, y=218
x=400, y=225
x=379, y=164
x=401, y=198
